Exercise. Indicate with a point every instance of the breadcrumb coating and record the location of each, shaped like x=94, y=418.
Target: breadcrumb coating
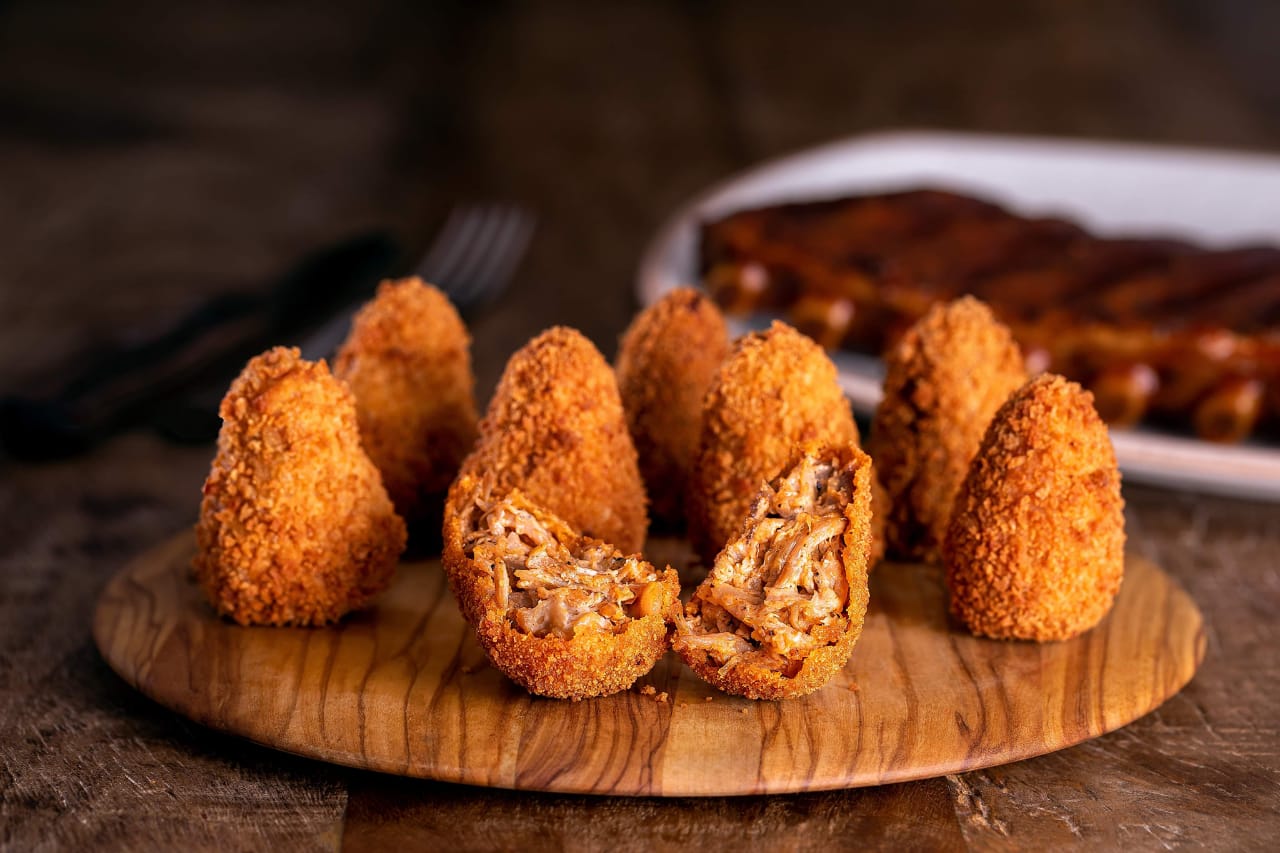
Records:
x=407, y=360
x=562, y=615
x=775, y=391
x=784, y=604
x=295, y=527
x=665, y=364
x=944, y=380
x=556, y=431
x=1035, y=549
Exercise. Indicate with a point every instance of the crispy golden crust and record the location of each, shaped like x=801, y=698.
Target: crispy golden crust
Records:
x=775, y=391
x=589, y=663
x=757, y=681
x=1035, y=549
x=295, y=526
x=555, y=430
x=408, y=363
x=944, y=380
x=583, y=666
x=665, y=364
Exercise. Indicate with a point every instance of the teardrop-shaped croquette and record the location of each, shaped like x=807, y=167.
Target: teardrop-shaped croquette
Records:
x=295, y=527
x=775, y=391
x=1035, y=550
x=555, y=430
x=944, y=380
x=408, y=362
x=560, y=614
x=783, y=606
x=666, y=361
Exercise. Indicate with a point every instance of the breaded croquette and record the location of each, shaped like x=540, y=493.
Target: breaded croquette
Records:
x=408, y=363
x=295, y=527
x=775, y=391
x=560, y=614
x=555, y=430
x=665, y=364
x=783, y=606
x=944, y=380
x=1035, y=549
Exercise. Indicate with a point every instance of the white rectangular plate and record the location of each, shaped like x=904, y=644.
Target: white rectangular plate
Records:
x=1212, y=198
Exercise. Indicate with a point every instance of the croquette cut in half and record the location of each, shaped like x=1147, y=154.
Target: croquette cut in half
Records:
x=560, y=614
x=407, y=360
x=666, y=361
x=784, y=604
x=555, y=430
x=295, y=527
x=1035, y=550
x=944, y=380
x=777, y=390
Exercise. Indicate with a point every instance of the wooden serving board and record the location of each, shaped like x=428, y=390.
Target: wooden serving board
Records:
x=404, y=688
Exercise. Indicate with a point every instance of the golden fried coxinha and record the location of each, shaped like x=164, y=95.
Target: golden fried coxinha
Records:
x=666, y=361
x=944, y=380
x=776, y=390
x=561, y=614
x=1035, y=549
x=556, y=431
x=295, y=527
x=407, y=361
x=784, y=603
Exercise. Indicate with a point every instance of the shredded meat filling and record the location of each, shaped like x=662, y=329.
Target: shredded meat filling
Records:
x=548, y=589
x=779, y=591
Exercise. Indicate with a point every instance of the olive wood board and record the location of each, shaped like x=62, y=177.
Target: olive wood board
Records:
x=404, y=688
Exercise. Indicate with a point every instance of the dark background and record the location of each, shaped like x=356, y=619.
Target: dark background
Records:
x=155, y=154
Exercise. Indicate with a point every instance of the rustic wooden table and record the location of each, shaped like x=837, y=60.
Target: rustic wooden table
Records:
x=153, y=155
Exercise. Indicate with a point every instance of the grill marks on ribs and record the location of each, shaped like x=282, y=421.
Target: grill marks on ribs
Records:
x=857, y=272
x=783, y=605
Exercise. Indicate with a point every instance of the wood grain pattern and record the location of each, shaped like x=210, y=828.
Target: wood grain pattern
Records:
x=403, y=688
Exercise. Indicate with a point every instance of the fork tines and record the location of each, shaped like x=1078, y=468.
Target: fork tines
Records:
x=477, y=251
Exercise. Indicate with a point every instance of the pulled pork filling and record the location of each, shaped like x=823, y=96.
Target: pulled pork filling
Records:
x=548, y=589
x=779, y=591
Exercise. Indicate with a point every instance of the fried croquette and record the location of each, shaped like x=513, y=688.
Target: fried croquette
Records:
x=1035, y=550
x=944, y=380
x=562, y=615
x=783, y=606
x=665, y=364
x=555, y=430
x=776, y=390
x=295, y=527
x=408, y=363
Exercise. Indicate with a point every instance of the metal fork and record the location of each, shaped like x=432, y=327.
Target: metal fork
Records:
x=476, y=252
x=472, y=259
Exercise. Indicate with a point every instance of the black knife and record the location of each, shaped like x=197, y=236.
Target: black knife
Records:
x=168, y=382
